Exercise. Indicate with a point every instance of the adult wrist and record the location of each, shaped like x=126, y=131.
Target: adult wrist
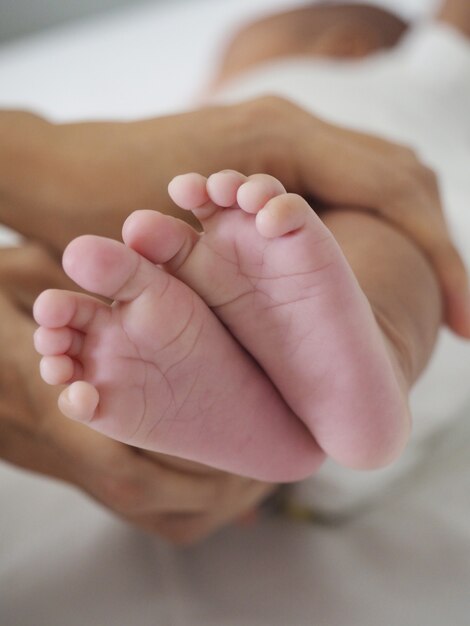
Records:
x=213, y=138
x=25, y=141
x=276, y=132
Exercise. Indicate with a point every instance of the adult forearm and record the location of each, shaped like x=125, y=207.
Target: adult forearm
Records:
x=457, y=14
x=87, y=177
x=23, y=162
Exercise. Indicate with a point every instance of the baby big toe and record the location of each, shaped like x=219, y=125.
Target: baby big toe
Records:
x=282, y=215
x=109, y=268
x=159, y=238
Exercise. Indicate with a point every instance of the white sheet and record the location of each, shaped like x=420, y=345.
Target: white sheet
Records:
x=65, y=561
x=384, y=95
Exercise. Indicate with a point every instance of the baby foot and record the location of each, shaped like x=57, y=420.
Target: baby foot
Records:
x=159, y=371
x=276, y=277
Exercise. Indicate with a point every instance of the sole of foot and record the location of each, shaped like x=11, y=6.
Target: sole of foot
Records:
x=158, y=370
x=274, y=274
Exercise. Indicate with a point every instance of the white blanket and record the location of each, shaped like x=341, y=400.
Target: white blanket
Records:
x=403, y=560
x=419, y=95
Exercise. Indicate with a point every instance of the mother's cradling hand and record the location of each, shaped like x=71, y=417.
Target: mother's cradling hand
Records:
x=88, y=177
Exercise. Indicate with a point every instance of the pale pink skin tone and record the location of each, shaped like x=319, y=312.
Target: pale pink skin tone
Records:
x=158, y=370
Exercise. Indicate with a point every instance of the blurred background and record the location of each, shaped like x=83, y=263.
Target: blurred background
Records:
x=22, y=17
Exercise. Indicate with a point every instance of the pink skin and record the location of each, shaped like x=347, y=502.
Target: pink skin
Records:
x=276, y=277
x=143, y=371
x=158, y=370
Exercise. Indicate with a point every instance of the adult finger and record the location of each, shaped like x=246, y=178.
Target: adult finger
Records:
x=122, y=478
x=389, y=180
x=237, y=497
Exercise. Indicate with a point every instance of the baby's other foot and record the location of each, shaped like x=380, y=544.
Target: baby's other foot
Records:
x=158, y=370
x=276, y=277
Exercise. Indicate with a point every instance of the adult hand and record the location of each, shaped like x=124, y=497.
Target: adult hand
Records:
x=337, y=166
x=179, y=500
x=232, y=499
x=88, y=177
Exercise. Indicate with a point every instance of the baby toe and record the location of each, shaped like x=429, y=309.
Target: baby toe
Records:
x=51, y=309
x=188, y=191
x=55, y=308
x=257, y=191
x=57, y=341
x=79, y=401
x=282, y=215
x=58, y=370
x=222, y=187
